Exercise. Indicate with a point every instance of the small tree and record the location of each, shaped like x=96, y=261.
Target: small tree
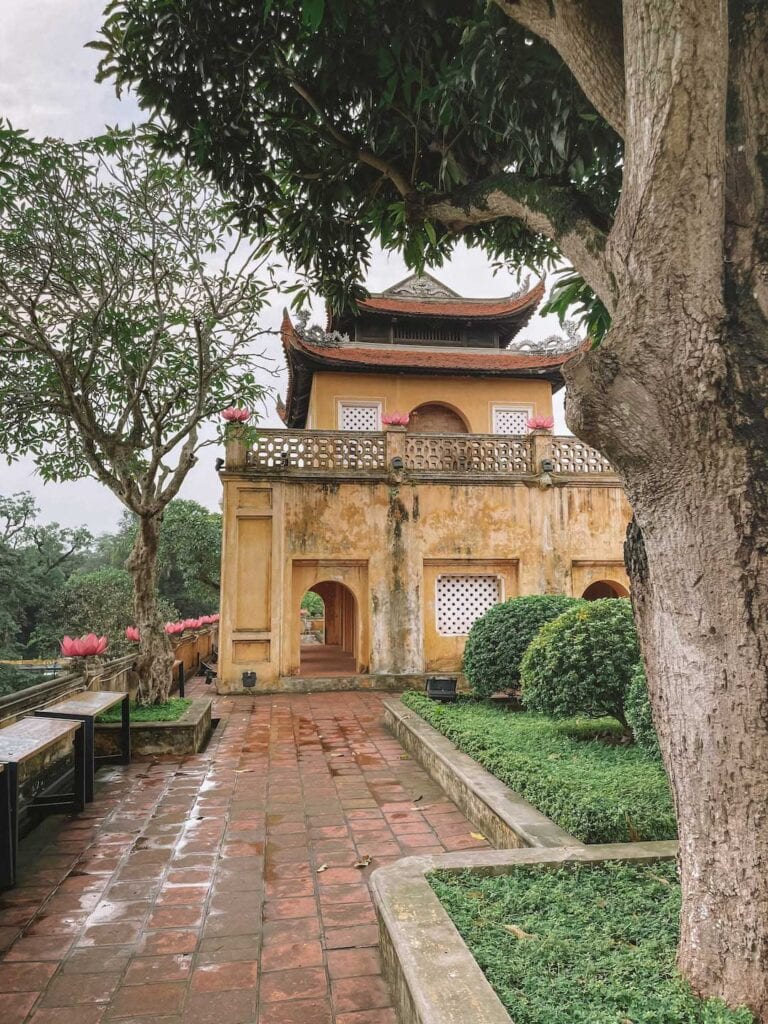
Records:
x=582, y=662
x=128, y=312
x=498, y=640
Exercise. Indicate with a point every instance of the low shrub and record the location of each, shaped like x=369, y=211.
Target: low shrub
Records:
x=582, y=662
x=168, y=711
x=498, y=640
x=637, y=707
x=580, y=943
x=577, y=772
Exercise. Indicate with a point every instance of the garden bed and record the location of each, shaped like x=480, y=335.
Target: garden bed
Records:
x=576, y=771
x=580, y=943
x=187, y=733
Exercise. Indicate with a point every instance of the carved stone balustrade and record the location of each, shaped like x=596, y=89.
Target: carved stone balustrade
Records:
x=344, y=454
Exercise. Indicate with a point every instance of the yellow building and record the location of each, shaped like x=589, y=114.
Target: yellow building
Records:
x=407, y=533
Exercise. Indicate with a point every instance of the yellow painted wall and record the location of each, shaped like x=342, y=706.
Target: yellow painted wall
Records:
x=473, y=397
x=387, y=540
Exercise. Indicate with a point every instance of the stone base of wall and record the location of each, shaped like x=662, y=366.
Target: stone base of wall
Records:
x=187, y=735
x=327, y=684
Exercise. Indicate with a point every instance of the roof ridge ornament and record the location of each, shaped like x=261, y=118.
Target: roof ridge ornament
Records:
x=421, y=286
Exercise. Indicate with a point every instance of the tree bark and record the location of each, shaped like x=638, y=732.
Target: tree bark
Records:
x=154, y=665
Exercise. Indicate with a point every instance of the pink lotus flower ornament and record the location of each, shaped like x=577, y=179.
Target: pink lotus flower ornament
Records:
x=83, y=646
x=131, y=633
x=541, y=422
x=396, y=419
x=235, y=415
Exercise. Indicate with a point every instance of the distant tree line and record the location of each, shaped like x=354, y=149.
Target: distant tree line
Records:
x=56, y=581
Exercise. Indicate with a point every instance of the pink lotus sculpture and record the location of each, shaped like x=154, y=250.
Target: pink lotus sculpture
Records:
x=541, y=422
x=235, y=415
x=131, y=633
x=174, y=628
x=83, y=646
x=395, y=419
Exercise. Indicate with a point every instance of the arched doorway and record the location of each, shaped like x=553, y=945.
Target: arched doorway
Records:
x=436, y=418
x=335, y=651
x=604, y=588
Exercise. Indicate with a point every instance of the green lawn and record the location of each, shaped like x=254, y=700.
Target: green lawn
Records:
x=169, y=711
x=598, y=791
x=596, y=945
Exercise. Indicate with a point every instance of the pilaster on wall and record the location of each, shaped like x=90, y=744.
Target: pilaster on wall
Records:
x=248, y=639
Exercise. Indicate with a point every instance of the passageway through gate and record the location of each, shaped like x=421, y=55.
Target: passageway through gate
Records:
x=335, y=652
x=604, y=588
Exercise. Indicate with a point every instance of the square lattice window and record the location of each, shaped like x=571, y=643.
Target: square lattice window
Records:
x=358, y=416
x=462, y=599
x=509, y=419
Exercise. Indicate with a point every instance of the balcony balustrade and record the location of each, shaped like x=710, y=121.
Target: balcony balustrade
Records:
x=355, y=454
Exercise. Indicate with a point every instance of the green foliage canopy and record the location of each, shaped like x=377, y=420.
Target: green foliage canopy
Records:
x=498, y=640
x=333, y=123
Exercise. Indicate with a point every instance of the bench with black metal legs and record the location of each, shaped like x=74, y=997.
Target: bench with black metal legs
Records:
x=85, y=707
x=20, y=743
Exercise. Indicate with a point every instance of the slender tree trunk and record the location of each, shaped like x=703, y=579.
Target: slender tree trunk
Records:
x=155, y=660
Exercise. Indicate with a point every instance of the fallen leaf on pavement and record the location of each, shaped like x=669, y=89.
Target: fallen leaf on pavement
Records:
x=479, y=836
x=364, y=861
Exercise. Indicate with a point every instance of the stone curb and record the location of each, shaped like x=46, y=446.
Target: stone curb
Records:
x=502, y=815
x=433, y=977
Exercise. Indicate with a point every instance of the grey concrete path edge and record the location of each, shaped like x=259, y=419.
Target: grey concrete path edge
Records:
x=433, y=977
x=503, y=816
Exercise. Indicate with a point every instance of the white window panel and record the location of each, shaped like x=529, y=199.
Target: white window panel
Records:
x=462, y=599
x=359, y=416
x=511, y=419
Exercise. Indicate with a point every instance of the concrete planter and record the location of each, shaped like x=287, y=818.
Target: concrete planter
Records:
x=187, y=735
x=502, y=815
x=432, y=975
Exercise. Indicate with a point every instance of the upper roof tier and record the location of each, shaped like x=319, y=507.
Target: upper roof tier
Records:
x=422, y=310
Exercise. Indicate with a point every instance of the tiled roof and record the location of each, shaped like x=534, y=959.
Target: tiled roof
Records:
x=475, y=308
x=304, y=358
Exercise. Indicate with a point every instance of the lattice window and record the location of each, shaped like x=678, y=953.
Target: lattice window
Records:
x=511, y=419
x=359, y=416
x=462, y=599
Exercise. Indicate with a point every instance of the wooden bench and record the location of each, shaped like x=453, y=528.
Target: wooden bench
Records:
x=19, y=743
x=209, y=670
x=85, y=707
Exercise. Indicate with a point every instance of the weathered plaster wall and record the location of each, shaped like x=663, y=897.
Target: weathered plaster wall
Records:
x=473, y=398
x=387, y=541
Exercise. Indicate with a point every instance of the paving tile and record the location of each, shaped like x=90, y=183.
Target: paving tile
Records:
x=192, y=886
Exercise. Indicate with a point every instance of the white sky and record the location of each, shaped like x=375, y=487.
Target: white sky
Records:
x=47, y=86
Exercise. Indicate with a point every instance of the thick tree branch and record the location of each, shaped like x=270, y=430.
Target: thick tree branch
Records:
x=588, y=36
x=556, y=211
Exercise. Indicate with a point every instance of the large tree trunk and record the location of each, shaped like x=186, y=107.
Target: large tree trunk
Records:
x=692, y=447
x=155, y=660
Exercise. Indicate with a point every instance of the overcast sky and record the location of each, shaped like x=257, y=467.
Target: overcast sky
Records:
x=47, y=86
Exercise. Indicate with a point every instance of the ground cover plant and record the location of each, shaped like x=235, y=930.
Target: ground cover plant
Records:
x=169, y=711
x=576, y=771
x=498, y=640
x=583, y=944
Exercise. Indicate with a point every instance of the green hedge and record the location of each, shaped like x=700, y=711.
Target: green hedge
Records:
x=600, y=792
x=582, y=662
x=596, y=944
x=498, y=640
x=638, y=711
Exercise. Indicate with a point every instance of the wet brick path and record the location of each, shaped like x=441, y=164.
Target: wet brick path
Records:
x=221, y=888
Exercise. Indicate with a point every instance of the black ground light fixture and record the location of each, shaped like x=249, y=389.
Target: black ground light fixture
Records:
x=442, y=688
x=249, y=680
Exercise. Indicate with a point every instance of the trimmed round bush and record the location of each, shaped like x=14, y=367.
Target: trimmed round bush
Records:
x=582, y=662
x=637, y=708
x=498, y=640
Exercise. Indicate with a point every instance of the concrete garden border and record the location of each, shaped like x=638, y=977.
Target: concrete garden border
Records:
x=432, y=974
x=501, y=814
x=187, y=734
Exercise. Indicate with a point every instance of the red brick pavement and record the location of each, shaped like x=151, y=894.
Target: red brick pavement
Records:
x=221, y=888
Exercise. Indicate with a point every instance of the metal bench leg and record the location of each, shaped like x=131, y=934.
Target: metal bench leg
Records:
x=9, y=835
x=181, y=679
x=125, y=732
x=83, y=771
